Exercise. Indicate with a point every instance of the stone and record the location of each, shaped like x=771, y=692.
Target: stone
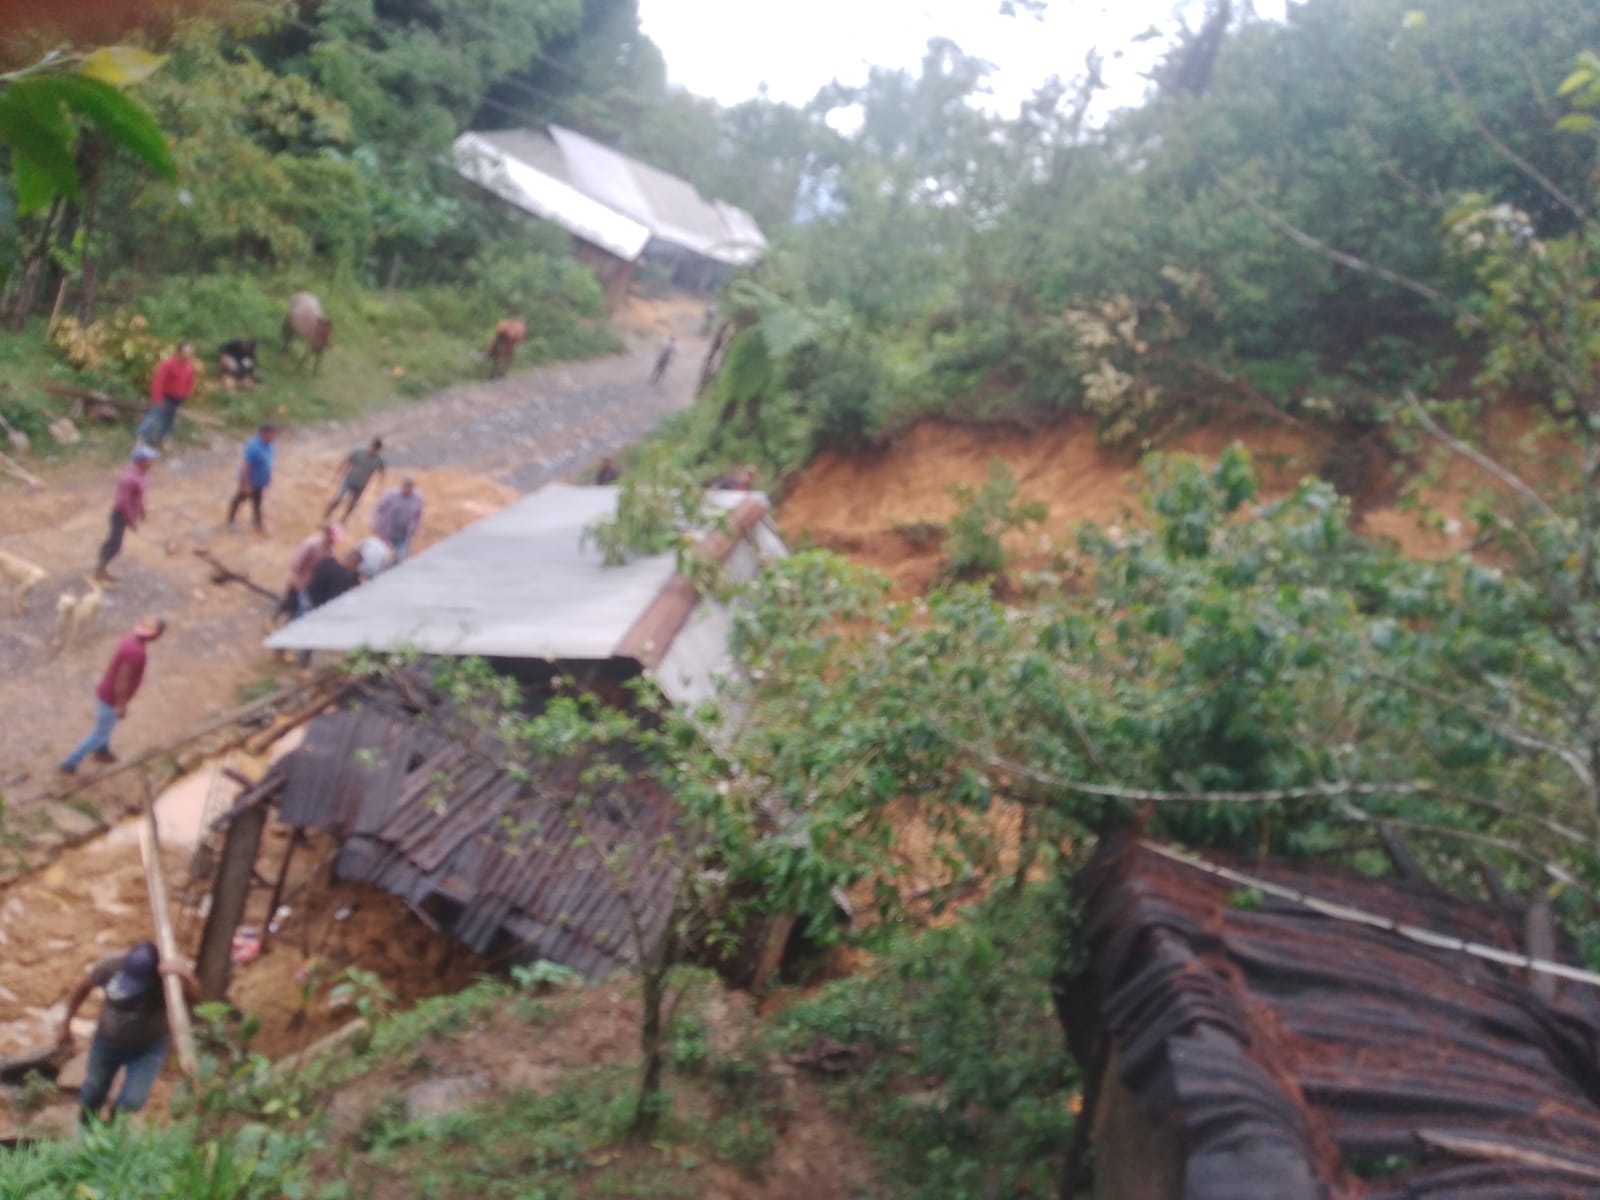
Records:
x=70, y=1077
x=438, y=1097
x=73, y=822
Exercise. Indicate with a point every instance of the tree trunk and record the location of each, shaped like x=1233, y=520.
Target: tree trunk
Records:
x=652, y=1049
x=28, y=277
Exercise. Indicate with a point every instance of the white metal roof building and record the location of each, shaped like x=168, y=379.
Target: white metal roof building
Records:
x=598, y=194
x=519, y=585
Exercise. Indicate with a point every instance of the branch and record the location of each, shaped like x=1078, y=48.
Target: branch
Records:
x=1506, y=152
x=1112, y=791
x=1349, y=261
x=1504, y=474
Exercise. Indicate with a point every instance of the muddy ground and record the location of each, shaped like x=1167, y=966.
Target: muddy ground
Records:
x=472, y=449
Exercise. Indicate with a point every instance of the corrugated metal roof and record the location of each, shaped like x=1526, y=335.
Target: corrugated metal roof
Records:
x=542, y=867
x=524, y=167
x=1299, y=1053
x=565, y=177
x=519, y=585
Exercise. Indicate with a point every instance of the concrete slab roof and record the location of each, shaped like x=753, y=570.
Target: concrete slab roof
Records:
x=519, y=585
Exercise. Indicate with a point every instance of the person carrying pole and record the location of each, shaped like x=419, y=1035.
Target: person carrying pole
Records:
x=133, y=1031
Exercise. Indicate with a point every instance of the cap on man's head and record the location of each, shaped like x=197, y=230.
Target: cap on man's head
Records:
x=143, y=453
x=139, y=973
x=266, y=427
x=150, y=627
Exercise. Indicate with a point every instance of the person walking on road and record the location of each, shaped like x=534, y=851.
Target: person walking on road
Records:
x=170, y=386
x=398, y=517
x=669, y=347
x=306, y=557
x=255, y=474
x=355, y=472
x=132, y=1033
x=117, y=688
x=127, y=507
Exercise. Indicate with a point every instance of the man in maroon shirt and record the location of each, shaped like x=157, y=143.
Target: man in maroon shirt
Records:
x=127, y=506
x=117, y=688
x=170, y=386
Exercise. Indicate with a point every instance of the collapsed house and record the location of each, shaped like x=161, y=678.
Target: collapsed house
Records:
x=1239, y=1042
x=623, y=214
x=522, y=860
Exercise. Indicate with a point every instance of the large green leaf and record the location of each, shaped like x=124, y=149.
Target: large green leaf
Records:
x=40, y=139
x=122, y=118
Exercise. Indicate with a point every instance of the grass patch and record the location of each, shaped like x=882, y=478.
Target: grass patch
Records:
x=963, y=1084
x=388, y=348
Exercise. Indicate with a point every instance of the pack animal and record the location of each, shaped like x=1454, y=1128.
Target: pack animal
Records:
x=74, y=614
x=307, y=321
x=24, y=577
x=508, y=335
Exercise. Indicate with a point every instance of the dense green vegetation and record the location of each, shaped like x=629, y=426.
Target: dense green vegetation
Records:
x=1163, y=265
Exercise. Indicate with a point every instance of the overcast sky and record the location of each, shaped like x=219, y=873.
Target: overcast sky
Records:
x=727, y=49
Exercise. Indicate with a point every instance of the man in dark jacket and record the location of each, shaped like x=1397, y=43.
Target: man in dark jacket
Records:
x=132, y=1033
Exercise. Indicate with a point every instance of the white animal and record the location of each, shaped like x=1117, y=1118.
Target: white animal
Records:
x=23, y=575
x=74, y=614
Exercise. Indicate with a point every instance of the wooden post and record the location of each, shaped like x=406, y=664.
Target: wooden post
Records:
x=277, y=888
x=177, y=1008
x=229, y=895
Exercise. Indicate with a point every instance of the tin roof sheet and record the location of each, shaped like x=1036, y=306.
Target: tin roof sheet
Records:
x=1315, y=1048
x=517, y=584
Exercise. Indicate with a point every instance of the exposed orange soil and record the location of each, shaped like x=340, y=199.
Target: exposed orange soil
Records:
x=870, y=505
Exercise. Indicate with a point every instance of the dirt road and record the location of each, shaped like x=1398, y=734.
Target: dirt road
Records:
x=472, y=449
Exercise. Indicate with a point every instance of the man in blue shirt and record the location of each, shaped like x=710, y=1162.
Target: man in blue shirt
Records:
x=255, y=473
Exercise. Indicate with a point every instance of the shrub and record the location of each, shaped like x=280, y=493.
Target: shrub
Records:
x=987, y=514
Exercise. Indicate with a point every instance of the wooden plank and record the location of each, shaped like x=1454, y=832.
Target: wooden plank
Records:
x=177, y=1007
x=229, y=895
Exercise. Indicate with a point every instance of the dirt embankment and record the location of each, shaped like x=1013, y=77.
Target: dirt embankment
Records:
x=877, y=506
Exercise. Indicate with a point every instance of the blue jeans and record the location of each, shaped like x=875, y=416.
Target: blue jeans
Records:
x=402, y=547
x=105, y=720
x=140, y=1064
x=158, y=422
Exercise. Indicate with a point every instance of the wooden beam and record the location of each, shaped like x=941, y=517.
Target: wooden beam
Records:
x=177, y=1007
x=12, y=467
x=229, y=894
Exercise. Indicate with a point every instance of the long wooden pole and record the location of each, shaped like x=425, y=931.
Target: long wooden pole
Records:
x=177, y=1007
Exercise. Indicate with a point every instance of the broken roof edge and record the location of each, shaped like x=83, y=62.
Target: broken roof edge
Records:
x=647, y=641
x=543, y=195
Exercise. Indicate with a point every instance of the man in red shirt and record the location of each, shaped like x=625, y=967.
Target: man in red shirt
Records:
x=117, y=688
x=170, y=386
x=127, y=506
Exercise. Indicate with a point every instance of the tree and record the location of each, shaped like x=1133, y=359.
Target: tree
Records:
x=50, y=167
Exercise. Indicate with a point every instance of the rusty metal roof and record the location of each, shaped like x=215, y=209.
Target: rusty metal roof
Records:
x=510, y=867
x=1304, y=1056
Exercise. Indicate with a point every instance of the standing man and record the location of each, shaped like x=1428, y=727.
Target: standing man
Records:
x=669, y=347
x=310, y=552
x=132, y=1032
x=117, y=688
x=255, y=474
x=398, y=517
x=127, y=507
x=355, y=473
x=170, y=386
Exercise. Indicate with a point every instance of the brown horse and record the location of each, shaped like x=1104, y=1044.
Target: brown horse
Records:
x=508, y=335
x=307, y=321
